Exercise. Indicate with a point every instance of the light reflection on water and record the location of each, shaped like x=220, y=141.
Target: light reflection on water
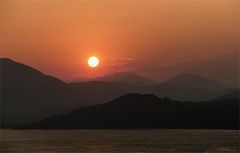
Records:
x=118, y=141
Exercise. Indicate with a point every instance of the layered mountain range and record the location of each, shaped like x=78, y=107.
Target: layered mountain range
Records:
x=28, y=95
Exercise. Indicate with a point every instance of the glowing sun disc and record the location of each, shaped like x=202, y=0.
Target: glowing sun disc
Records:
x=93, y=61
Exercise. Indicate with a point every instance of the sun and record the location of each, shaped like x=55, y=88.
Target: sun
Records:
x=93, y=61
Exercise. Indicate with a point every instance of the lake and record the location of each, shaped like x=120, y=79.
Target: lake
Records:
x=118, y=141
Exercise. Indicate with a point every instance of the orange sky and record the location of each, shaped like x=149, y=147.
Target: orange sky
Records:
x=57, y=36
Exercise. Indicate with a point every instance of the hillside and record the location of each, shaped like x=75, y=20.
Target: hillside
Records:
x=148, y=111
x=28, y=95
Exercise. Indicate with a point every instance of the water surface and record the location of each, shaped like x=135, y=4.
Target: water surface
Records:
x=118, y=141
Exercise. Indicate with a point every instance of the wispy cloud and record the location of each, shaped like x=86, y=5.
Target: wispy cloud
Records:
x=123, y=59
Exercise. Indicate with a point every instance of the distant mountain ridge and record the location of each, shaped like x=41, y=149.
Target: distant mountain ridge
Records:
x=181, y=87
x=126, y=77
x=188, y=80
x=134, y=111
x=95, y=92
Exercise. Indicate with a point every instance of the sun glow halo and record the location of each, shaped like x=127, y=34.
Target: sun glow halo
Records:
x=93, y=61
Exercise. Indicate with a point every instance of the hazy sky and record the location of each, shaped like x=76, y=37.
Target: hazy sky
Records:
x=57, y=36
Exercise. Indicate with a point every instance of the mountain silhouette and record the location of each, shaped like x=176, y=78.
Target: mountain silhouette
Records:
x=27, y=94
x=192, y=81
x=224, y=68
x=185, y=93
x=95, y=92
x=126, y=77
x=148, y=111
x=15, y=74
x=207, y=89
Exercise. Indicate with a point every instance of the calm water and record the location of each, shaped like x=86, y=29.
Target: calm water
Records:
x=118, y=141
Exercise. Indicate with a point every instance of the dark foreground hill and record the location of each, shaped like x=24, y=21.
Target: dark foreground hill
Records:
x=148, y=111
